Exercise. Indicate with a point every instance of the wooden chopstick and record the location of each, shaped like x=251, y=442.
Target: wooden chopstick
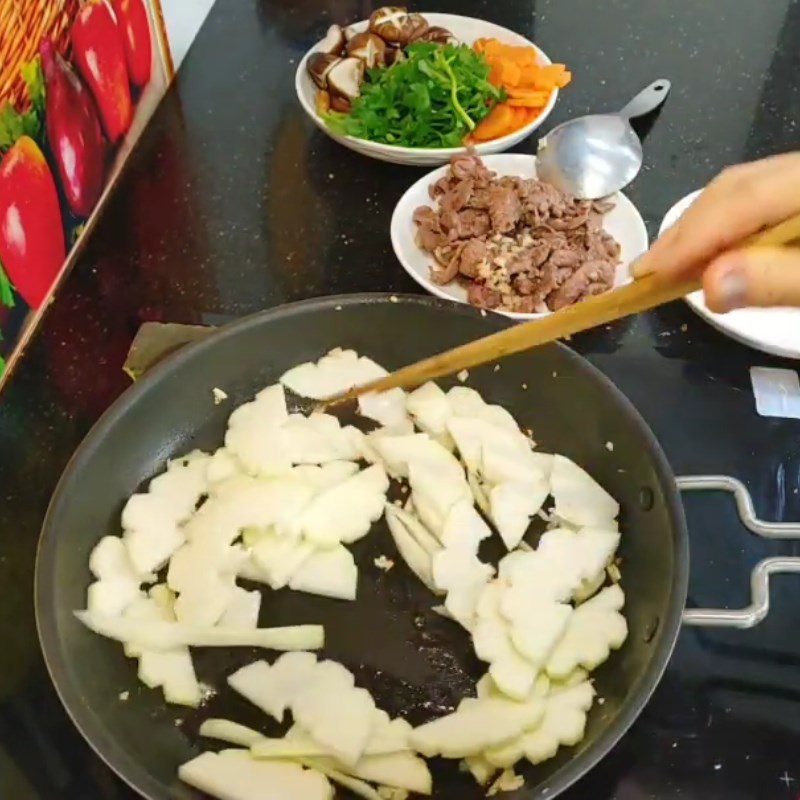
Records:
x=646, y=293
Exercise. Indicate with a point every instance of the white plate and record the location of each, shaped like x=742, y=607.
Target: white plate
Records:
x=771, y=330
x=466, y=30
x=623, y=222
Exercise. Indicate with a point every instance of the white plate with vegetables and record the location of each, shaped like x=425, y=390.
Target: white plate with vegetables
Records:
x=435, y=98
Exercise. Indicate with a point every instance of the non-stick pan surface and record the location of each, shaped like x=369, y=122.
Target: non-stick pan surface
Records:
x=414, y=662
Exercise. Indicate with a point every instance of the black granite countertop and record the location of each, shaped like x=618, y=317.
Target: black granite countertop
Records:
x=233, y=202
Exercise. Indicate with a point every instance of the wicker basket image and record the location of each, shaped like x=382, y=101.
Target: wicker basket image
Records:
x=23, y=25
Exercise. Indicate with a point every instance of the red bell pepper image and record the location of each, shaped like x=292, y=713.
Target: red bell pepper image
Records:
x=73, y=130
x=99, y=54
x=132, y=21
x=31, y=234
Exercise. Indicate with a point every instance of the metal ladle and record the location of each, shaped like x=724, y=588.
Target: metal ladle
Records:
x=596, y=155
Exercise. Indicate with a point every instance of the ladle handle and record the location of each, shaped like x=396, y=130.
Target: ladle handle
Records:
x=649, y=99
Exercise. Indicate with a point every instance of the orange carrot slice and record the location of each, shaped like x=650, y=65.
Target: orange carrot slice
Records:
x=549, y=77
x=533, y=98
x=492, y=47
x=521, y=102
x=520, y=118
x=498, y=123
x=510, y=73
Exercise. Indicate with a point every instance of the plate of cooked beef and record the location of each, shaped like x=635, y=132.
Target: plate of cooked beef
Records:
x=489, y=233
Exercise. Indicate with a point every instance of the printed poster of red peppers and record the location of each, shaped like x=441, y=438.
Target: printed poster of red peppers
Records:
x=78, y=81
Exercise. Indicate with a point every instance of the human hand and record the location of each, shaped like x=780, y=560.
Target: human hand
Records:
x=739, y=202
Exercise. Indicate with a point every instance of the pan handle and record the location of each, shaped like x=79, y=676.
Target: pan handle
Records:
x=759, y=579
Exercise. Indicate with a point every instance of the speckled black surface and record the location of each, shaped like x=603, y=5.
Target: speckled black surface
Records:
x=233, y=202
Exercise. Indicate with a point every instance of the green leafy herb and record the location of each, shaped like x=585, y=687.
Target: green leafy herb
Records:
x=14, y=124
x=6, y=290
x=432, y=99
x=34, y=79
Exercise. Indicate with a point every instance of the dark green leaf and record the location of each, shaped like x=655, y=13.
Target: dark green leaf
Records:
x=419, y=96
x=12, y=126
x=6, y=289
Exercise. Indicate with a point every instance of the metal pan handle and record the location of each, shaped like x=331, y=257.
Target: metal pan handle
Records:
x=759, y=579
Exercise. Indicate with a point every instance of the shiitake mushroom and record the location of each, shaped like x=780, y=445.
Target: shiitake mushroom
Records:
x=369, y=47
x=394, y=54
x=344, y=82
x=395, y=25
x=334, y=41
x=319, y=65
x=435, y=34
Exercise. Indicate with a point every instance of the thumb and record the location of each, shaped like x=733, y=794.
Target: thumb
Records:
x=757, y=276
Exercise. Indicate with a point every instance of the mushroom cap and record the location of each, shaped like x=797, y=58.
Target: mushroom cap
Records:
x=435, y=34
x=319, y=64
x=395, y=25
x=394, y=55
x=334, y=41
x=418, y=25
x=344, y=80
x=369, y=47
x=386, y=15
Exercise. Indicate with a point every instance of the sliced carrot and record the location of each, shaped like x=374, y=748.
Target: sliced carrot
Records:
x=527, y=81
x=498, y=123
x=530, y=77
x=496, y=75
x=534, y=98
x=519, y=55
x=549, y=77
x=551, y=71
x=520, y=118
x=510, y=73
x=521, y=102
x=515, y=123
x=524, y=56
x=492, y=48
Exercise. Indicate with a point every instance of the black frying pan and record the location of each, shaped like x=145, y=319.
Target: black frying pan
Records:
x=413, y=661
